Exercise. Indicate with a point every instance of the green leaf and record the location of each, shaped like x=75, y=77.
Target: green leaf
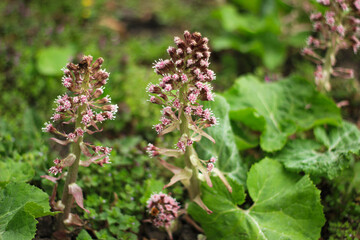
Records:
x=15, y=171
x=286, y=206
x=327, y=156
x=252, y=6
x=243, y=142
x=151, y=186
x=279, y=109
x=229, y=160
x=20, y=204
x=83, y=235
x=52, y=59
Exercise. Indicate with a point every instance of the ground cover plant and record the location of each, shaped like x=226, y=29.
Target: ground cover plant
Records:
x=269, y=149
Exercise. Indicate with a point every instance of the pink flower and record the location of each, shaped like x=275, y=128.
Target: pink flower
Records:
x=207, y=114
x=165, y=121
x=209, y=96
x=83, y=99
x=167, y=111
x=99, y=117
x=107, y=150
x=199, y=85
x=159, y=65
x=179, y=51
x=48, y=127
x=85, y=119
x=162, y=209
x=170, y=50
x=158, y=128
x=71, y=136
x=79, y=132
x=166, y=78
x=197, y=71
x=176, y=103
x=109, y=115
x=168, y=87
x=67, y=82
x=192, y=98
x=114, y=108
x=60, y=108
x=184, y=78
x=341, y=30
x=357, y=4
x=175, y=77
x=199, y=110
x=204, y=63
x=199, y=55
x=190, y=62
x=155, y=100
x=213, y=159
x=97, y=149
x=213, y=121
x=55, y=170
x=154, y=89
x=152, y=150
x=56, y=117
x=329, y=16
x=90, y=113
x=98, y=92
x=188, y=50
x=180, y=145
x=324, y=2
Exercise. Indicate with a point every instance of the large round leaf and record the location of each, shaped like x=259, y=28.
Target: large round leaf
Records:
x=286, y=206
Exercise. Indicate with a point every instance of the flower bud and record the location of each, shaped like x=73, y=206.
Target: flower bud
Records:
x=98, y=92
x=154, y=89
x=155, y=100
x=72, y=67
x=97, y=64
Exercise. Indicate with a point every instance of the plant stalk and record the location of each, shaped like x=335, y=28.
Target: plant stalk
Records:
x=194, y=188
x=329, y=62
x=67, y=199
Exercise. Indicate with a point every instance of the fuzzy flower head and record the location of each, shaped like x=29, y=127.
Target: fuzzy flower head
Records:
x=163, y=209
x=337, y=28
x=83, y=105
x=184, y=83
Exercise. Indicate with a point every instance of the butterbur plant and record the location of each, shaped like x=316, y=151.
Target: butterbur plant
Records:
x=184, y=83
x=336, y=29
x=83, y=107
x=163, y=210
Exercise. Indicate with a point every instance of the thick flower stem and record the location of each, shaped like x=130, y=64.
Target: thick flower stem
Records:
x=194, y=188
x=67, y=199
x=325, y=84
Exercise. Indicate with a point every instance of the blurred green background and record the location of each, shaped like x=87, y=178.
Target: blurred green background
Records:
x=38, y=38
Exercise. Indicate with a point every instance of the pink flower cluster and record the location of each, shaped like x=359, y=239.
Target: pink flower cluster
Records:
x=210, y=164
x=84, y=102
x=57, y=168
x=338, y=28
x=162, y=209
x=185, y=79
